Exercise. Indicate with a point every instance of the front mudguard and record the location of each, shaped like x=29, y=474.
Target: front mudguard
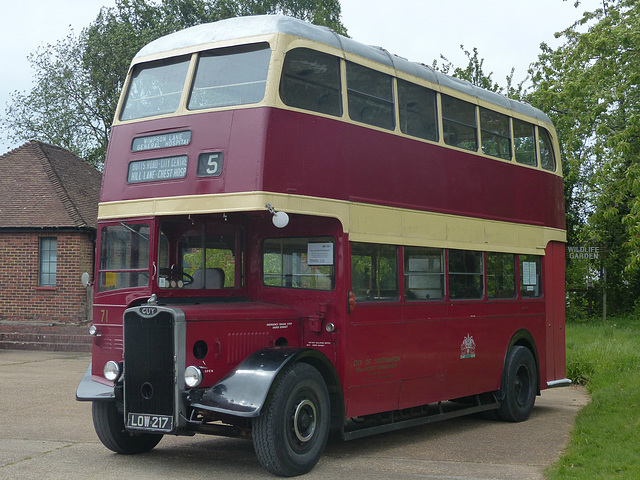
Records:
x=244, y=391
x=91, y=391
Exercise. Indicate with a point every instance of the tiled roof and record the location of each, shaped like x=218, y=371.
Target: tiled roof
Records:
x=44, y=186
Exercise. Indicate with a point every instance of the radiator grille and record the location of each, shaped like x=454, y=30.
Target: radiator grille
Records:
x=149, y=363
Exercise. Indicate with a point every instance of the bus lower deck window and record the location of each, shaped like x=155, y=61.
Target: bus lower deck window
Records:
x=466, y=275
x=305, y=263
x=374, y=272
x=424, y=273
x=501, y=275
x=530, y=276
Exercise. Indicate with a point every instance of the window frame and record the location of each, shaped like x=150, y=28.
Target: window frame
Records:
x=450, y=122
x=431, y=116
x=358, y=91
x=376, y=282
x=462, y=277
x=524, y=157
x=290, y=277
x=47, y=261
x=500, y=256
x=313, y=83
x=545, y=150
x=225, y=53
x=493, y=137
x=424, y=278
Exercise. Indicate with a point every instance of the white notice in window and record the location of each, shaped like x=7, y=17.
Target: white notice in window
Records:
x=529, y=273
x=320, y=253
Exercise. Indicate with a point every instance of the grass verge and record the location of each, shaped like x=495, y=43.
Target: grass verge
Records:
x=605, y=441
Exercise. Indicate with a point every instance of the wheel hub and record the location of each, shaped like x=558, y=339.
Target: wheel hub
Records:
x=304, y=421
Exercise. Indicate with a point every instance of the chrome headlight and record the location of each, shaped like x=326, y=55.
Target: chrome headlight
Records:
x=112, y=371
x=192, y=376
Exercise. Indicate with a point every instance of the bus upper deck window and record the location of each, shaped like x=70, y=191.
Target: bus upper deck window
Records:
x=459, y=123
x=370, y=95
x=547, y=159
x=230, y=76
x=524, y=142
x=496, y=134
x=311, y=80
x=418, y=115
x=155, y=88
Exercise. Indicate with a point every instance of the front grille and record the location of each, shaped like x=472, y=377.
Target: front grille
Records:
x=149, y=363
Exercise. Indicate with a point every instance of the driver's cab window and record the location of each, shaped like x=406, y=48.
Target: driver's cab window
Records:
x=199, y=256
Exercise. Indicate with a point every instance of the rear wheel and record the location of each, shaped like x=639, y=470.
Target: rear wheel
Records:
x=291, y=432
x=109, y=426
x=519, y=385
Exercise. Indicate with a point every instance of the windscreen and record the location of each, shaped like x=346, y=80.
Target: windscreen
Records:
x=230, y=76
x=124, y=256
x=155, y=88
x=199, y=255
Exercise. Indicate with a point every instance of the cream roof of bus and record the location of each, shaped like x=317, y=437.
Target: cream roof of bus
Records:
x=236, y=28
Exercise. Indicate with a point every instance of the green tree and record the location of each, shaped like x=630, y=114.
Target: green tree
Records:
x=589, y=86
x=475, y=74
x=78, y=80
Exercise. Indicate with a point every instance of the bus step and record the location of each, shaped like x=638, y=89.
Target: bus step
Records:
x=439, y=412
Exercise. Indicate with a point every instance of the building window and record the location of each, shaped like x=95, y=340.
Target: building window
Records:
x=48, y=262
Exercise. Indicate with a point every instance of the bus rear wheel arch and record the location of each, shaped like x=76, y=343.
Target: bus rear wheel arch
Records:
x=519, y=385
x=290, y=434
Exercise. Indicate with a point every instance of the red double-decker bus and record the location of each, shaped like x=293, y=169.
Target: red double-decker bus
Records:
x=301, y=234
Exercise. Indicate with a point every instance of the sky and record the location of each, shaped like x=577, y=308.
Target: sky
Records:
x=507, y=33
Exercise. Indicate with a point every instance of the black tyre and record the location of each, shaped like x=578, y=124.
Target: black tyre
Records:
x=291, y=432
x=519, y=385
x=109, y=426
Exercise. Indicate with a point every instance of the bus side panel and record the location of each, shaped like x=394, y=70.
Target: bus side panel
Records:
x=375, y=358
x=351, y=162
x=556, y=361
x=480, y=335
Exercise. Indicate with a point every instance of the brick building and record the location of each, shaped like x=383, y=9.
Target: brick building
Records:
x=48, y=211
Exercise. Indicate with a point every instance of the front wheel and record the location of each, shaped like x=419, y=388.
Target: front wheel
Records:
x=291, y=432
x=109, y=426
x=519, y=385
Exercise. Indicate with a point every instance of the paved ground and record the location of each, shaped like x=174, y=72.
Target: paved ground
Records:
x=46, y=434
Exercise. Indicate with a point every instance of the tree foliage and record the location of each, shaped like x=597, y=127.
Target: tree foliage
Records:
x=475, y=73
x=589, y=86
x=78, y=80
